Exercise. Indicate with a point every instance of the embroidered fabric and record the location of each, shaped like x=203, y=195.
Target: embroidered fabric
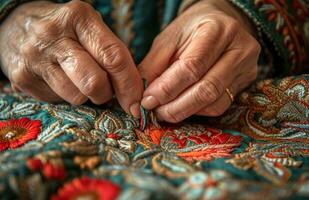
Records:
x=259, y=147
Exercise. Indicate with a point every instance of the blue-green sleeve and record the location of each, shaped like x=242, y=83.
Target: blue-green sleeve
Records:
x=283, y=31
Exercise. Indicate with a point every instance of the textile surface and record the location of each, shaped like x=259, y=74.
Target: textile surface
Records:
x=258, y=149
x=62, y=151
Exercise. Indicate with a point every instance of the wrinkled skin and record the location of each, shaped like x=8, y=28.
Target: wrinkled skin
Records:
x=209, y=48
x=57, y=52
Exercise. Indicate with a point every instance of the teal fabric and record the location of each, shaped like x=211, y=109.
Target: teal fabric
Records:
x=274, y=22
x=259, y=148
x=104, y=143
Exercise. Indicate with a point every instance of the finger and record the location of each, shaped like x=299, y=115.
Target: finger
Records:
x=193, y=63
x=60, y=83
x=202, y=93
x=218, y=107
x=33, y=86
x=43, y=93
x=222, y=104
x=159, y=56
x=111, y=54
x=90, y=79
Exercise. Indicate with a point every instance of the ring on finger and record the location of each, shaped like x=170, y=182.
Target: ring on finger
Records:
x=230, y=94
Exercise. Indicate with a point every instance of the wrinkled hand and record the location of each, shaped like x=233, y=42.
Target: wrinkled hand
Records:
x=207, y=49
x=65, y=51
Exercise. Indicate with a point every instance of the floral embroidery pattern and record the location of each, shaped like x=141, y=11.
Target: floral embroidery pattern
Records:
x=202, y=144
x=51, y=169
x=276, y=110
x=271, y=160
x=284, y=25
x=75, y=152
x=163, y=161
x=14, y=133
x=87, y=188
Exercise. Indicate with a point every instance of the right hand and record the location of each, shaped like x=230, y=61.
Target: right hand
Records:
x=57, y=52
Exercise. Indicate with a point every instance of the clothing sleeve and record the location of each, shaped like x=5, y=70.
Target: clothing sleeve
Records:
x=283, y=31
x=6, y=6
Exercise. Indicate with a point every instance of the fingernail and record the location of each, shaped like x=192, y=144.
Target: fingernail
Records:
x=135, y=110
x=150, y=102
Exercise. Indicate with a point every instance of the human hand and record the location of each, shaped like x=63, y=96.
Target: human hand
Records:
x=57, y=52
x=208, y=48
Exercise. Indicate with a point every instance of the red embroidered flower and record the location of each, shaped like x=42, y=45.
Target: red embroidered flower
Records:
x=16, y=132
x=191, y=144
x=51, y=170
x=87, y=188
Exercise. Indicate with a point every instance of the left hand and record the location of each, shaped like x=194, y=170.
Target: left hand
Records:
x=208, y=48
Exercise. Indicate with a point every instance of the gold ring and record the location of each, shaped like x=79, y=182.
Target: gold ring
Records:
x=229, y=93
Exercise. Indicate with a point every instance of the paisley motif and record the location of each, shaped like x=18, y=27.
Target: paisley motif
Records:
x=271, y=160
x=277, y=110
x=164, y=161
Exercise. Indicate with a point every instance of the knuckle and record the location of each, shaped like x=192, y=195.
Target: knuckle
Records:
x=66, y=52
x=91, y=87
x=76, y=7
x=48, y=72
x=76, y=11
x=68, y=57
x=165, y=90
x=28, y=50
x=191, y=70
x=231, y=28
x=43, y=35
x=45, y=31
x=208, y=91
x=210, y=30
x=112, y=57
x=232, y=25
